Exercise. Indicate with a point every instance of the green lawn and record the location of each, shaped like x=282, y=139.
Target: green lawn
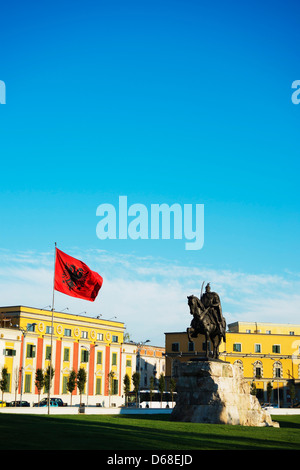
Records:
x=134, y=432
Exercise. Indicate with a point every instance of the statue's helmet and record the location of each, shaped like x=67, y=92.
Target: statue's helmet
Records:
x=207, y=288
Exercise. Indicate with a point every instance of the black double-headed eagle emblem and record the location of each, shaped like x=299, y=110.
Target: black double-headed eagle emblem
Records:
x=74, y=277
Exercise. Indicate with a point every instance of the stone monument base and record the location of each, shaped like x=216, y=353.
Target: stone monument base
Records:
x=216, y=392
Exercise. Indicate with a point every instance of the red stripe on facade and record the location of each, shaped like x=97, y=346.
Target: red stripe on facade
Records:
x=21, y=362
x=91, y=369
x=57, y=367
x=75, y=362
x=120, y=381
x=106, y=377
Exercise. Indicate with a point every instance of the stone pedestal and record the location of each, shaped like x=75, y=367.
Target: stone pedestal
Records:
x=216, y=392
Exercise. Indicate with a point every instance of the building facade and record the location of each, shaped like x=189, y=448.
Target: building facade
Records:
x=150, y=363
x=268, y=353
x=76, y=342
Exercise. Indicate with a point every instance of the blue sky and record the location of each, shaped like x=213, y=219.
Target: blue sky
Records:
x=165, y=102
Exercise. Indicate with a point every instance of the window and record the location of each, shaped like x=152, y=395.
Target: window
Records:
x=248, y=331
x=27, y=388
x=115, y=338
x=204, y=346
x=9, y=352
x=277, y=371
x=99, y=357
x=84, y=355
x=268, y=332
x=67, y=332
x=65, y=382
x=115, y=386
x=292, y=333
x=128, y=363
x=114, y=359
x=100, y=336
x=7, y=388
x=175, y=347
x=237, y=347
x=191, y=346
x=98, y=386
x=276, y=348
x=257, y=372
x=48, y=330
x=48, y=352
x=84, y=334
x=257, y=348
x=30, y=350
x=30, y=327
x=66, y=354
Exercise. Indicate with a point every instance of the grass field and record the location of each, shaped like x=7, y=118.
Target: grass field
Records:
x=156, y=432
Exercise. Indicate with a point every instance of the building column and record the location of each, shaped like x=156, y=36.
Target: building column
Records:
x=75, y=362
x=106, y=370
x=120, y=379
x=91, y=370
x=21, y=362
x=57, y=367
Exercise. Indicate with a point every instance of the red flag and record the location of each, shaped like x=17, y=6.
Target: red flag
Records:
x=73, y=277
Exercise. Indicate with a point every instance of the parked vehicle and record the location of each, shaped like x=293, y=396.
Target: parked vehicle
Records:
x=53, y=402
x=2, y=404
x=18, y=403
x=60, y=402
x=44, y=402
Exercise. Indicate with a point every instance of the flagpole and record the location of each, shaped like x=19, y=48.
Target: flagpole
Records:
x=52, y=322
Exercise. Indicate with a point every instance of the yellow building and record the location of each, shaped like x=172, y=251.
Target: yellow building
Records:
x=266, y=352
x=76, y=341
x=147, y=360
x=129, y=360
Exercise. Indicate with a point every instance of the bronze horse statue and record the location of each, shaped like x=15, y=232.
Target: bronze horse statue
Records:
x=207, y=322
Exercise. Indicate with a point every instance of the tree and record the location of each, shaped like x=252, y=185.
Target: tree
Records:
x=71, y=383
x=136, y=383
x=253, y=388
x=47, y=383
x=127, y=337
x=39, y=382
x=161, y=387
x=16, y=382
x=126, y=382
x=81, y=380
x=172, y=388
x=4, y=381
x=110, y=378
x=292, y=392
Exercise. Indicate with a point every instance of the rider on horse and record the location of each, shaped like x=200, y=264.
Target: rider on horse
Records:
x=211, y=300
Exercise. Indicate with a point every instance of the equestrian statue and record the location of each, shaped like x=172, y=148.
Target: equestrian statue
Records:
x=207, y=320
